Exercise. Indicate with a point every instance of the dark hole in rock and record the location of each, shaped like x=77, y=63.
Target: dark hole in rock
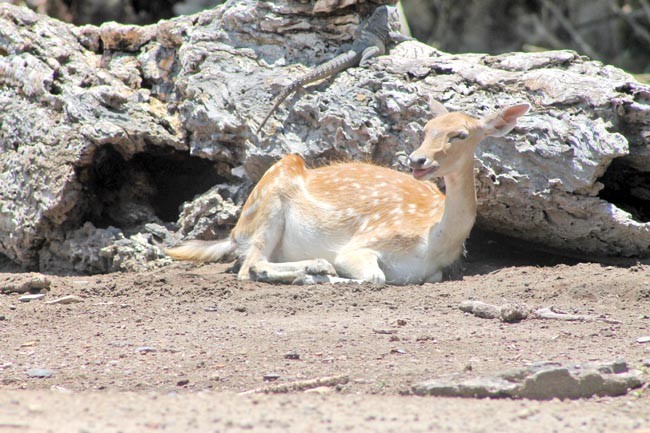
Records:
x=9, y=266
x=149, y=187
x=628, y=189
x=488, y=250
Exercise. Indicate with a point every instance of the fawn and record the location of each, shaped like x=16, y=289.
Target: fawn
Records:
x=358, y=220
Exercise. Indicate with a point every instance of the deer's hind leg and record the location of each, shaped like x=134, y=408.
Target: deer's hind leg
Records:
x=262, y=226
x=257, y=264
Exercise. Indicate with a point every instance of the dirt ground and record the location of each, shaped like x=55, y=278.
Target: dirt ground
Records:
x=172, y=350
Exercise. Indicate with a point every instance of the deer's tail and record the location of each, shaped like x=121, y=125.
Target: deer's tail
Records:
x=202, y=251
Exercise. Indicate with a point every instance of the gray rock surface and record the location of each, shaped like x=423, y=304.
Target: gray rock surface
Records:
x=23, y=283
x=40, y=373
x=541, y=381
x=104, y=130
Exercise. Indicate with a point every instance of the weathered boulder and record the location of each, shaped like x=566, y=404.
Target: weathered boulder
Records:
x=541, y=381
x=113, y=127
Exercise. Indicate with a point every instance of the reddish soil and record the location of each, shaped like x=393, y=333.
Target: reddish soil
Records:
x=171, y=350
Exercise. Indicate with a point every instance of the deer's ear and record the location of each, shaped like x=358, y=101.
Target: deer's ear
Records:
x=500, y=123
x=436, y=108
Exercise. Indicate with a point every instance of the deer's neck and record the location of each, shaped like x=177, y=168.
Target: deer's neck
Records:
x=460, y=209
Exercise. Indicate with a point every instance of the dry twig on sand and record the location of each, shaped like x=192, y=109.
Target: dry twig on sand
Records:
x=300, y=385
x=549, y=313
x=514, y=312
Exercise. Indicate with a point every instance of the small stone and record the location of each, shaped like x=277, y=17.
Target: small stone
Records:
x=512, y=313
x=320, y=390
x=269, y=377
x=646, y=362
x=40, y=373
x=401, y=322
x=398, y=351
x=385, y=331
x=183, y=382
x=69, y=299
x=644, y=339
x=291, y=355
x=2, y=318
x=34, y=297
x=144, y=349
x=32, y=284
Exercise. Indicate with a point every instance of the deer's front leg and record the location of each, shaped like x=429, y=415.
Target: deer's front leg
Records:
x=360, y=264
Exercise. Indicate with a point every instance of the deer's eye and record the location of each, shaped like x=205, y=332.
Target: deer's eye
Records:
x=460, y=135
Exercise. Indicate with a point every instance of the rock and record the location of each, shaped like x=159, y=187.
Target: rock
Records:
x=291, y=355
x=21, y=283
x=40, y=373
x=28, y=298
x=509, y=312
x=644, y=339
x=269, y=377
x=69, y=299
x=541, y=381
x=480, y=309
x=202, y=217
x=481, y=387
x=144, y=349
x=108, y=129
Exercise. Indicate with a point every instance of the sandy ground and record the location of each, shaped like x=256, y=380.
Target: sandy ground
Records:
x=172, y=350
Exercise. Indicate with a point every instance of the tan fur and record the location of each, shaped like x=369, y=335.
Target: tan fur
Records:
x=361, y=220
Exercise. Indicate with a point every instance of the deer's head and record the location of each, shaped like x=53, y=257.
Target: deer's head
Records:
x=451, y=138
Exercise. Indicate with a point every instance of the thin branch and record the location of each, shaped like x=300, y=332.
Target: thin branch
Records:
x=646, y=8
x=515, y=312
x=301, y=385
x=575, y=35
x=631, y=21
x=548, y=313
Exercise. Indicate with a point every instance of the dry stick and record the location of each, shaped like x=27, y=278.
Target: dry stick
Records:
x=300, y=385
x=549, y=37
x=646, y=8
x=517, y=312
x=575, y=35
x=548, y=313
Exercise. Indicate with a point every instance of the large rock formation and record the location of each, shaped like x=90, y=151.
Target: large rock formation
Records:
x=106, y=131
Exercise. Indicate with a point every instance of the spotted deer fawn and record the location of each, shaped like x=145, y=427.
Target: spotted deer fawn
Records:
x=362, y=221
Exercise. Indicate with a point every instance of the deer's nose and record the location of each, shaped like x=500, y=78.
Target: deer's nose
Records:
x=417, y=161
